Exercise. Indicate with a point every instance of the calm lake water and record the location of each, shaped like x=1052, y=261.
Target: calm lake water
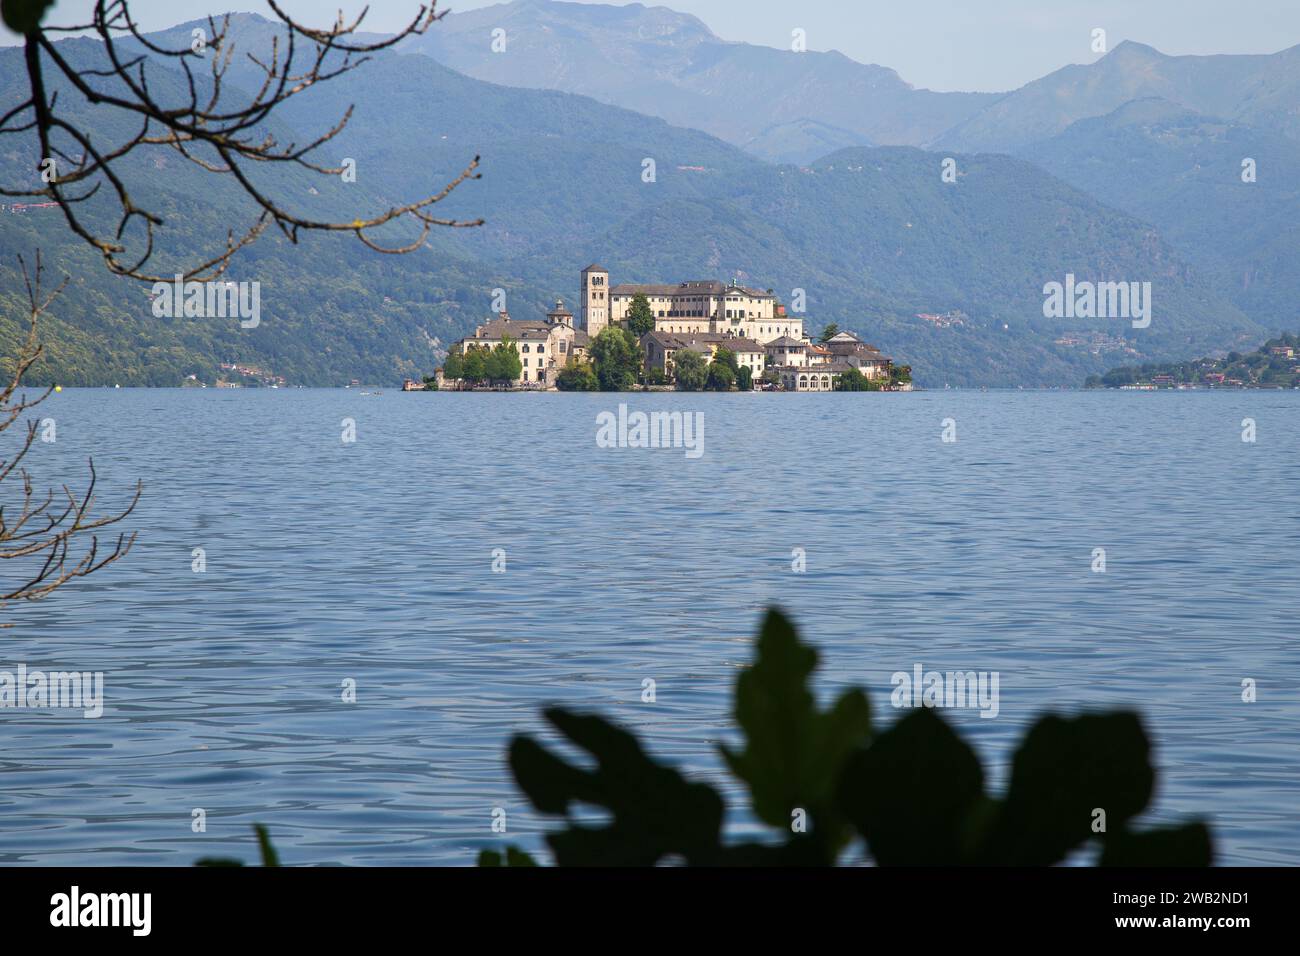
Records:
x=372, y=561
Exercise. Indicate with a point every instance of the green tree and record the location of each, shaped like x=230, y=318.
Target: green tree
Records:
x=745, y=379
x=503, y=364
x=898, y=374
x=617, y=359
x=851, y=380
x=689, y=370
x=721, y=377
x=830, y=332
x=724, y=356
x=454, y=366
x=640, y=317
x=579, y=377
x=474, y=364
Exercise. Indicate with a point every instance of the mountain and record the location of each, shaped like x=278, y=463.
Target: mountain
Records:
x=873, y=235
x=1182, y=171
x=1258, y=90
x=776, y=104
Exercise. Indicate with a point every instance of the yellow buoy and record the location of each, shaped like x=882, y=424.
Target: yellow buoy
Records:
x=58, y=388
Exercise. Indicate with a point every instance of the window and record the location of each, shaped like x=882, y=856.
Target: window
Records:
x=541, y=348
x=525, y=349
x=563, y=344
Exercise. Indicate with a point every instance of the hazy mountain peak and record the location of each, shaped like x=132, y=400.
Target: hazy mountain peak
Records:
x=1133, y=50
x=778, y=104
x=633, y=21
x=1257, y=89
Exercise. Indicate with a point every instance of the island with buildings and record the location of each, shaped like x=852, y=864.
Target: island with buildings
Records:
x=697, y=334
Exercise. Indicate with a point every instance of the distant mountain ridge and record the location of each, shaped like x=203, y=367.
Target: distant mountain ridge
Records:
x=1259, y=90
x=777, y=104
x=785, y=106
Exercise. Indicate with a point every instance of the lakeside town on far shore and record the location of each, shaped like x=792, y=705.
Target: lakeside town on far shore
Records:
x=1275, y=364
x=692, y=336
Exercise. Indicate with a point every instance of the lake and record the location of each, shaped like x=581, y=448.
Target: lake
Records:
x=371, y=561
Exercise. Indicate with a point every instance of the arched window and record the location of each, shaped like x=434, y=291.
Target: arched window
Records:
x=826, y=381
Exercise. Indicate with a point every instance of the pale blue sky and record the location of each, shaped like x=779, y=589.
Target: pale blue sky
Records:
x=940, y=44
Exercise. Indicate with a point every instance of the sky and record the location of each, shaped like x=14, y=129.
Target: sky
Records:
x=988, y=45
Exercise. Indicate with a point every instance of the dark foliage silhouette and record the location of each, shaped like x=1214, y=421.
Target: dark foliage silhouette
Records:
x=913, y=792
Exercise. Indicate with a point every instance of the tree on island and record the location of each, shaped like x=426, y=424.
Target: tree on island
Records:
x=640, y=317
x=829, y=332
x=724, y=356
x=617, y=359
x=689, y=370
x=453, y=367
x=579, y=377
x=744, y=379
x=721, y=377
x=852, y=380
x=474, y=364
x=503, y=363
x=900, y=374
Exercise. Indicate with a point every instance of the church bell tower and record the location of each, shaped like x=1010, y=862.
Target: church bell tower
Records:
x=595, y=299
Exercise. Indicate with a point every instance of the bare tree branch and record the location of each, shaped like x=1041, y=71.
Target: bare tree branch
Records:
x=207, y=123
x=45, y=529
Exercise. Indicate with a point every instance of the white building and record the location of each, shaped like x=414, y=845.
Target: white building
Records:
x=703, y=306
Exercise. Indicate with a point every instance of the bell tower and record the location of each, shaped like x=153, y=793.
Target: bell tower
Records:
x=595, y=299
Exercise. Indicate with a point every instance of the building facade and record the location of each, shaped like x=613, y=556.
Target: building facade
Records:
x=545, y=346
x=694, y=307
x=661, y=346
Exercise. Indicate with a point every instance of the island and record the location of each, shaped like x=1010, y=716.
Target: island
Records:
x=690, y=336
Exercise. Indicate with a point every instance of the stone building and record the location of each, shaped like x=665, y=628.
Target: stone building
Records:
x=660, y=347
x=847, y=347
x=701, y=306
x=545, y=346
x=803, y=367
